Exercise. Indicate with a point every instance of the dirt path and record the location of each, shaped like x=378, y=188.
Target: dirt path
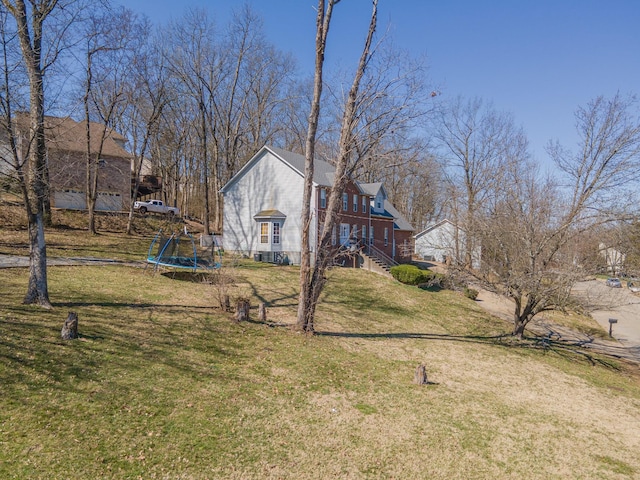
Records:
x=11, y=261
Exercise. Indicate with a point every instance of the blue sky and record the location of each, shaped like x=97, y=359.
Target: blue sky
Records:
x=538, y=59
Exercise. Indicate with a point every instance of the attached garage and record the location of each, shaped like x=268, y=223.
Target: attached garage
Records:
x=75, y=200
x=69, y=199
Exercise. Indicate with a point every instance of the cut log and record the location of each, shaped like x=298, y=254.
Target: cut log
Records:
x=70, y=327
x=242, y=310
x=227, y=304
x=262, y=312
x=420, y=375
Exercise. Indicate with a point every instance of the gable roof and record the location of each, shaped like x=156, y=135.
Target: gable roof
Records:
x=373, y=188
x=433, y=226
x=322, y=172
x=68, y=135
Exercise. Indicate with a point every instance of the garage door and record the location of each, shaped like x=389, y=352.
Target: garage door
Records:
x=69, y=199
x=109, y=202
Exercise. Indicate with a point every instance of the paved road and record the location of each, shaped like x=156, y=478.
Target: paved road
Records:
x=604, y=302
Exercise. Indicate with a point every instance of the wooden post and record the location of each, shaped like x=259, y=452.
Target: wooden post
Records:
x=70, y=327
x=242, y=309
x=227, y=304
x=420, y=375
x=262, y=312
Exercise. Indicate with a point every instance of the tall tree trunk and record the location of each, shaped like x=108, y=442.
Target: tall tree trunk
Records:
x=31, y=46
x=313, y=289
x=305, y=318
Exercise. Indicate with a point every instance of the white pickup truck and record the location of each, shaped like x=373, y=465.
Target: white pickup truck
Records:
x=155, y=206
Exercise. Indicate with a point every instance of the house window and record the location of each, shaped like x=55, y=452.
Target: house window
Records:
x=344, y=233
x=364, y=234
x=102, y=163
x=355, y=203
x=371, y=236
x=333, y=235
x=323, y=198
x=354, y=232
x=345, y=202
x=264, y=232
x=378, y=204
x=386, y=236
x=364, y=204
x=276, y=233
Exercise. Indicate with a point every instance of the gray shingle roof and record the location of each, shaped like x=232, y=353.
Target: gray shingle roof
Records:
x=322, y=171
x=401, y=223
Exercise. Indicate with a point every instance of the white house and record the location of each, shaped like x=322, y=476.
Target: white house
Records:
x=614, y=259
x=263, y=207
x=443, y=241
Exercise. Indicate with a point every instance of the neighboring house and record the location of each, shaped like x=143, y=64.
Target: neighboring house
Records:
x=263, y=207
x=444, y=242
x=66, y=160
x=613, y=258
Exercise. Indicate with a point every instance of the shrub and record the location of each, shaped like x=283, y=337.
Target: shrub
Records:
x=410, y=274
x=470, y=293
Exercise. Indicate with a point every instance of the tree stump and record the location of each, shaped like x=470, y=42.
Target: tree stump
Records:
x=420, y=375
x=226, y=304
x=242, y=309
x=70, y=327
x=262, y=312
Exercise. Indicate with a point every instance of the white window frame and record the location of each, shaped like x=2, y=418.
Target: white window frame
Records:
x=364, y=204
x=364, y=234
x=345, y=202
x=276, y=233
x=345, y=230
x=264, y=236
x=386, y=236
x=323, y=198
x=355, y=202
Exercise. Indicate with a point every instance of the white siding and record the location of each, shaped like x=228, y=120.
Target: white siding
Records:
x=268, y=184
x=441, y=243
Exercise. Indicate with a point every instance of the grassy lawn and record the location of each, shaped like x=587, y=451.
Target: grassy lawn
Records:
x=163, y=384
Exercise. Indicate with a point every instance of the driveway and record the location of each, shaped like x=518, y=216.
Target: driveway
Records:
x=604, y=302
x=10, y=261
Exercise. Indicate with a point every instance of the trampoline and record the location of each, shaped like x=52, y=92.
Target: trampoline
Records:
x=178, y=250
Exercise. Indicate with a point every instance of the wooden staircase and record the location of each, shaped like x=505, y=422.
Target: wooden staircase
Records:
x=377, y=261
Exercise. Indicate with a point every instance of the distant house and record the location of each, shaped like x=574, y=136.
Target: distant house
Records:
x=444, y=242
x=614, y=259
x=66, y=159
x=263, y=207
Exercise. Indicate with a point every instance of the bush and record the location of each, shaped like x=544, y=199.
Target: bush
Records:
x=470, y=293
x=410, y=274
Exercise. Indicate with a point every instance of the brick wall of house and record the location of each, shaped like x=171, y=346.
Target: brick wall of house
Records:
x=67, y=170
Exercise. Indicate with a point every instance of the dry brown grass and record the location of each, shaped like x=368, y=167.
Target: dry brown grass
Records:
x=162, y=384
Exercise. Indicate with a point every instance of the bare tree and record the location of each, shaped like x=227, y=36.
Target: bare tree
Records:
x=108, y=54
x=474, y=141
x=312, y=283
x=30, y=28
x=147, y=98
x=530, y=228
x=323, y=22
x=12, y=164
x=234, y=83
